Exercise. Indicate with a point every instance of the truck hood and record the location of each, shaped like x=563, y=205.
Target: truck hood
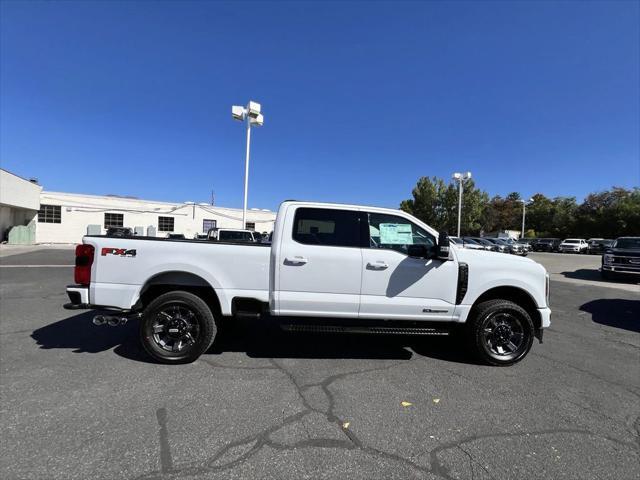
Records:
x=488, y=258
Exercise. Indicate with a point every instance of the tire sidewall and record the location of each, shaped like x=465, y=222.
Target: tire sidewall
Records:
x=204, y=318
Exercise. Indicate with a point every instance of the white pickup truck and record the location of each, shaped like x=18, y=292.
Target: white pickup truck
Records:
x=330, y=267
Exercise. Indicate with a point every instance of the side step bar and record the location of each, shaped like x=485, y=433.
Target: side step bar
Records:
x=374, y=330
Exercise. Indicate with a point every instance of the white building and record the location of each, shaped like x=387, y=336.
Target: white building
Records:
x=19, y=202
x=66, y=217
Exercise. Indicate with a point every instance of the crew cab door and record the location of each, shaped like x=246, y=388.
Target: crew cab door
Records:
x=319, y=263
x=396, y=286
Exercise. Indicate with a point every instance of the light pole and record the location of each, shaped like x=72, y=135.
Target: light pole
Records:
x=252, y=116
x=524, y=213
x=460, y=177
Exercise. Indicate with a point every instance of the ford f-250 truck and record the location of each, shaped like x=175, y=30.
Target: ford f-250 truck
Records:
x=330, y=267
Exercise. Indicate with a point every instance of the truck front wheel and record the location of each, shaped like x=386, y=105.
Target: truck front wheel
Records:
x=177, y=327
x=500, y=332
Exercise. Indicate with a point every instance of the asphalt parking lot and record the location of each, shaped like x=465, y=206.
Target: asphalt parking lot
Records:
x=80, y=401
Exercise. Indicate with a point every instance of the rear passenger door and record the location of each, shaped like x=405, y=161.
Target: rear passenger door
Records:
x=319, y=264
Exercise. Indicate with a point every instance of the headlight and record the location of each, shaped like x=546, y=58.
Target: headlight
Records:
x=608, y=258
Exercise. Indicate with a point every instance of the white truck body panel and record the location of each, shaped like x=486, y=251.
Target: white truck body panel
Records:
x=299, y=279
x=232, y=270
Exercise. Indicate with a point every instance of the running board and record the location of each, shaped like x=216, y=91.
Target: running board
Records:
x=363, y=329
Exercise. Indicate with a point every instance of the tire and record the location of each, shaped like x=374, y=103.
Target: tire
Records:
x=507, y=322
x=177, y=327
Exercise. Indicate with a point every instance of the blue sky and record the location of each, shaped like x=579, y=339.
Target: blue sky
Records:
x=360, y=98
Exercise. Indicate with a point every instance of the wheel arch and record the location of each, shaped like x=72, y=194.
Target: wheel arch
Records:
x=168, y=281
x=516, y=295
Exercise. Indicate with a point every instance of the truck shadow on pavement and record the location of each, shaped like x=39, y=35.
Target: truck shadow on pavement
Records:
x=256, y=338
x=80, y=335
x=594, y=275
x=615, y=312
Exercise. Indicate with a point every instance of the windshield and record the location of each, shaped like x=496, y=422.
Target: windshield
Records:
x=457, y=240
x=471, y=241
x=630, y=243
x=571, y=240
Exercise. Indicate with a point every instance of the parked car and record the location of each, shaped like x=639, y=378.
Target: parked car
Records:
x=487, y=244
x=119, y=232
x=175, y=236
x=515, y=247
x=527, y=243
x=462, y=243
x=622, y=258
x=501, y=247
x=573, y=245
x=598, y=246
x=546, y=245
x=471, y=241
x=323, y=272
x=201, y=236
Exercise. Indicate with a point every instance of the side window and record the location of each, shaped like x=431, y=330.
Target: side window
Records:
x=395, y=233
x=324, y=226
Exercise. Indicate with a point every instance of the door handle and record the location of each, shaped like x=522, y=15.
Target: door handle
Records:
x=297, y=260
x=378, y=265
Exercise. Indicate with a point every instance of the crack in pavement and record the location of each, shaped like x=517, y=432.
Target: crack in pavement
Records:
x=254, y=443
x=166, y=462
x=239, y=451
x=439, y=469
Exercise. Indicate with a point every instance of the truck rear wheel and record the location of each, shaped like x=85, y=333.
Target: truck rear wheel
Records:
x=501, y=332
x=177, y=327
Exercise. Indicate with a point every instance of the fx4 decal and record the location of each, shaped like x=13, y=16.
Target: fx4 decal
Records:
x=121, y=252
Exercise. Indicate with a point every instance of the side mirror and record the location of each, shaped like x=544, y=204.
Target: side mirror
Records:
x=442, y=252
x=417, y=251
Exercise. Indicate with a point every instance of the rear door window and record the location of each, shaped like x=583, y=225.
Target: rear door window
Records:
x=326, y=226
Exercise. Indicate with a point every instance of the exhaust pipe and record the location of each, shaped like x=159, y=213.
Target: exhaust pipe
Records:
x=109, y=320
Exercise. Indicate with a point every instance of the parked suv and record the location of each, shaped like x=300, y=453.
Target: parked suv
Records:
x=599, y=245
x=546, y=245
x=622, y=258
x=574, y=245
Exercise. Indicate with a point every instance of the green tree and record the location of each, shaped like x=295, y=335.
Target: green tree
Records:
x=436, y=203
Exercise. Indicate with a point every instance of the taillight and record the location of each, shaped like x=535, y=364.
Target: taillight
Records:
x=84, y=260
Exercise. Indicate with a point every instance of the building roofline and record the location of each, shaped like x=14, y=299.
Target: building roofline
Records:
x=21, y=178
x=142, y=200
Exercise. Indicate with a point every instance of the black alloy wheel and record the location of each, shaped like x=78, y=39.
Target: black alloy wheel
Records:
x=501, y=332
x=177, y=327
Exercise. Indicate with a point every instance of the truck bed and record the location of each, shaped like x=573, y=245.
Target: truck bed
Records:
x=126, y=264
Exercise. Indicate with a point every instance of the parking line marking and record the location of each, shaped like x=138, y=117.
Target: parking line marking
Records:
x=36, y=266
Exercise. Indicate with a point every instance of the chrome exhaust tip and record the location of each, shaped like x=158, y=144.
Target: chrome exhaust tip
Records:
x=99, y=320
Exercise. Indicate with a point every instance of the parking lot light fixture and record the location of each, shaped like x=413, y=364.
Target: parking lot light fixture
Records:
x=524, y=213
x=460, y=178
x=252, y=116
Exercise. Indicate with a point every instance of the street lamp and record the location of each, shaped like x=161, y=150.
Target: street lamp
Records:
x=252, y=116
x=524, y=212
x=460, y=177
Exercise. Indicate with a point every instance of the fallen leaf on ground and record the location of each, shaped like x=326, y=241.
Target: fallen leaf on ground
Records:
x=406, y=404
x=346, y=424
x=436, y=400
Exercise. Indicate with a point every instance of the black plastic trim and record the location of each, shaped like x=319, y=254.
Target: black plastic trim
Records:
x=463, y=282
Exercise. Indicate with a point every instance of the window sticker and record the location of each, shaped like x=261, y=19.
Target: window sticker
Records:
x=396, y=234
